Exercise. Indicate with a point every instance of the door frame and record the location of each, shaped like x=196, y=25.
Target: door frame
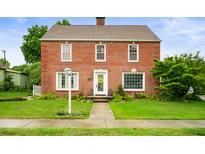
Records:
x=95, y=79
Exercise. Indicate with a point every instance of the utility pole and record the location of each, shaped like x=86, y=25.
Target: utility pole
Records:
x=4, y=64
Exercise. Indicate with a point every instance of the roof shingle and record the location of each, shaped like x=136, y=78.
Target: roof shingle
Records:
x=103, y=33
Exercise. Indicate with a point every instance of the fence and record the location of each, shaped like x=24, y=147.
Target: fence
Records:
x=36, y=90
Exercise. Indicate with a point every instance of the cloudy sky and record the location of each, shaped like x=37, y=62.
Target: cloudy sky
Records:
x=178, y=35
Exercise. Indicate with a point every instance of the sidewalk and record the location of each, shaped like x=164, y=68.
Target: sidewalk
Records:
x=101, y=117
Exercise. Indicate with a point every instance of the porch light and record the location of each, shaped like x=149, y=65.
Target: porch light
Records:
x=68, y=72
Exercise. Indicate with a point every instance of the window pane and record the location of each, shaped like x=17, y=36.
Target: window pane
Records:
x=100, y=52
x=66, y=52
x=133, y=52
x=74, y=81
x=59, y=80
x=133, y=81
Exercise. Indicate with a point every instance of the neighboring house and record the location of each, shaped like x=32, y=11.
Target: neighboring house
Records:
x=20, y=79
x=101, y=57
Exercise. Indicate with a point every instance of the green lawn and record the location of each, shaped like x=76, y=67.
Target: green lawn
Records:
x=102, y=132
x=12, y=94
x=147, y=109
x=42, y=109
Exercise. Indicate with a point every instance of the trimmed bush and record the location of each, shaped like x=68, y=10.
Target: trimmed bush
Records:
x=117, y=98
x=13, y=99
x=139, y=96
x=48, y=96
x=128, y=98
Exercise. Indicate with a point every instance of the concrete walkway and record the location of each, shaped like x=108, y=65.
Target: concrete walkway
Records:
x=101, y=111
x=101, y=117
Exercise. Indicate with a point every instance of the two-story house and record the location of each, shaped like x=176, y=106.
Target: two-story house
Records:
x=100, y=56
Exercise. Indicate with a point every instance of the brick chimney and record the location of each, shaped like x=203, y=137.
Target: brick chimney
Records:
x=100, y=21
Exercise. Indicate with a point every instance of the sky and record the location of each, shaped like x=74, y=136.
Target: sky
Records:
x=178, y=35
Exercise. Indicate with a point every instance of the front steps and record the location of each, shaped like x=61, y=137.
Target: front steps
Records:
x=100, y=99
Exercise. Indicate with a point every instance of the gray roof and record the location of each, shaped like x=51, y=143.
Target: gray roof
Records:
x=101, y=33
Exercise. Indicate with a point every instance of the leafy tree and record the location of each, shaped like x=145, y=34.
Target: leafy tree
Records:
x=20, y=68
x=4, y=63
x=180, y=74
x=34, y=73
x=8, y=83
x=31, y=44
x=63, y=22
x=33, y=70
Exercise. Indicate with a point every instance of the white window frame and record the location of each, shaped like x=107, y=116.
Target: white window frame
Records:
x=64, y=60
x=137, y=46
x=66, y=89
x=97, y=60
x=143, y=84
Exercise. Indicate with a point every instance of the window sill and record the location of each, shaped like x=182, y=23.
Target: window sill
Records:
x=100, y=61
x=66, y=61
x=133, y=61
x=134, y=89
x=67, y=89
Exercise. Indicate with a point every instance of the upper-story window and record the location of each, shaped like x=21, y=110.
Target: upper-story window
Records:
x=133, y=53
x=100, y=53
x=66, y=52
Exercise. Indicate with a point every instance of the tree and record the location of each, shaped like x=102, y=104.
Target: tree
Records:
x=179, y=74
x=31, y=44
x=4, y=63
x=8, y=83
x=34, y=74
x=33, y=71
x=20, y=68
x=63, y=22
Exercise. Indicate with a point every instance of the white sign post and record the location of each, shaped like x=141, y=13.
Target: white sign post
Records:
x=68, y=71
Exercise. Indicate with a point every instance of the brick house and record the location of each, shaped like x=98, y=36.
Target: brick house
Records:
x=100, y=56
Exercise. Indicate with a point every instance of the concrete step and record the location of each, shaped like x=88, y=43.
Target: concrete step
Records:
x=100, y=100
x=100, y=97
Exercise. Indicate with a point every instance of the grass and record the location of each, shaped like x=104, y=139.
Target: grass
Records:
x=147, y=109
x=42, y=109
x=12, y=94
x=102, y=132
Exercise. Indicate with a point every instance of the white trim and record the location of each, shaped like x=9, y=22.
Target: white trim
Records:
x=124, y=40
x=137, y=46
x=95, y=71
x=66, y=89
x=96, y=60
x=143, y=84
x=63, y=60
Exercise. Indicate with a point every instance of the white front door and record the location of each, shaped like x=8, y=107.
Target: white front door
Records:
x=100, y=82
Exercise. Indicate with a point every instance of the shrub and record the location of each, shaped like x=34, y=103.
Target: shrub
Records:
x=128, y=98
x=48, y=96
x=8, y=83
x=75, y=114
x=81, y=96
x=13, y=99
x=74, y=97
x=152, y=97
x=119, y=91
x=189, y=96
x=139, y=96
x=117, y=98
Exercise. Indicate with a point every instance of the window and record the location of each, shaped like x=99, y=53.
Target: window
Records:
x=133, y=53
x=66, y=52
x=100, y=53
x=62, y=81
x=133, y=81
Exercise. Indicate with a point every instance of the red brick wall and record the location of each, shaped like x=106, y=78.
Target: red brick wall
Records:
x=83, y=61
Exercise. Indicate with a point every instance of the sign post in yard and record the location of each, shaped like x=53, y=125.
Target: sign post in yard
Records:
x=68, y=71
